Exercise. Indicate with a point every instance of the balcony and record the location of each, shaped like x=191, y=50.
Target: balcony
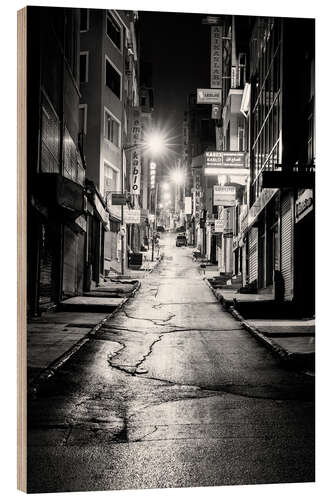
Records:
x=286, y=176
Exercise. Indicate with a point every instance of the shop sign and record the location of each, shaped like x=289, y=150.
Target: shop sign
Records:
x=225, y=163
x=118, y=199
x=224, y=195
x=209, y=96
x=197, y=195
x=132, y=216
x=216, y=57
x=188, y=205
x=135, y=163
x=227, y=219
x=219, y=225
x=304, y=204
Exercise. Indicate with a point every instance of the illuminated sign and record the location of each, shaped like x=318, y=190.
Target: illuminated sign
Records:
x=135, y=163
x=216, y=57
x=224, y=195
x=209, y=96
x=225, y=163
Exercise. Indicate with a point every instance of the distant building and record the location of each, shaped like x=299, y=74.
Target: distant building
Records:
x=198, y=137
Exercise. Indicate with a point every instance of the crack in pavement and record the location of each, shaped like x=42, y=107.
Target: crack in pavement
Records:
x=146, y=435
x=157, y=322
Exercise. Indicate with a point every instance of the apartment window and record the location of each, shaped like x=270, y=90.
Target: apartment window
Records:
x=113, y=30
x=112, y=79
x=84, y=63
x=83, y=119
x=84, y=20
x=111, y=178
x=111, y=128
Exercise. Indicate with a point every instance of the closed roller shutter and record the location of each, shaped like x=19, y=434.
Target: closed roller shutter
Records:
x=253, y=255
x=70, y=263
x=48, y=279
x=287, y=246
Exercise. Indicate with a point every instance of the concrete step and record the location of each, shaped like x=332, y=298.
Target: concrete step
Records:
x=91, y=304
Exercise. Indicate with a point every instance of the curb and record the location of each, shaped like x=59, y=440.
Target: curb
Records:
x=51, y=370
x=292, y=359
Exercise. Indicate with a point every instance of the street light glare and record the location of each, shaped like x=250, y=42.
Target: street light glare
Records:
x=155, y=143
x=178, y=176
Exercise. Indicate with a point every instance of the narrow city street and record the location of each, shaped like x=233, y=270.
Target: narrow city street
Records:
x=171, y=392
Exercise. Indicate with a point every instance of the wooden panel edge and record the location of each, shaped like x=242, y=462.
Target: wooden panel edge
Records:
x=21, y=249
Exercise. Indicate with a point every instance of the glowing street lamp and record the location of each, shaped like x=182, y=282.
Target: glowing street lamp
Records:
x=178, y=176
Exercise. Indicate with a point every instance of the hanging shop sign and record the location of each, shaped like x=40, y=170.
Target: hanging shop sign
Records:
x=135, y=164
x=224, y=196
x=218, y=226
x=209, y=96
x=132, y=216
x=225, y=163
x=304, y=204
x=216, y=57
x=197, y=196
x=188, y=205
x=227, y=219
x=118, y=198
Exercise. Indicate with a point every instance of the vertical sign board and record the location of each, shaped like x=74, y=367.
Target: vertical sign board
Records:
x=216, y=57
x=227, y=218
x=136, y=153
x=197, y=193
x=188, y=205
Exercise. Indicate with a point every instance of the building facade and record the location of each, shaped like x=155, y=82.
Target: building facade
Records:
x=109, y=84
x=56, y=166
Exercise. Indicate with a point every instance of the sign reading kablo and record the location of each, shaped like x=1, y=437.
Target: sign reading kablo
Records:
x=136, y=153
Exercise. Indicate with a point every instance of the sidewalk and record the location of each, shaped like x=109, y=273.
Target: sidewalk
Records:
x=277, y=326
x=55, y=336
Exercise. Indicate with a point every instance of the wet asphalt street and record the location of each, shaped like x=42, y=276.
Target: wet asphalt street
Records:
x=170, y=393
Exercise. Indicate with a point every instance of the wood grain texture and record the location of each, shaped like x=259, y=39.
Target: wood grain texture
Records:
x=22, y=249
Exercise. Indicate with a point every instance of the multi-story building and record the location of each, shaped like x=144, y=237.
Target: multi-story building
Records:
x=109, y=94
x=279, y=226
x=198, y=136
x=56, y=170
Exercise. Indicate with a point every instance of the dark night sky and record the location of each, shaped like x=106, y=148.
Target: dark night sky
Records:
x=178, y=46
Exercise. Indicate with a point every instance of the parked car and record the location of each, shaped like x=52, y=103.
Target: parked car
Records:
x=161, y=229
x=181, y=240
